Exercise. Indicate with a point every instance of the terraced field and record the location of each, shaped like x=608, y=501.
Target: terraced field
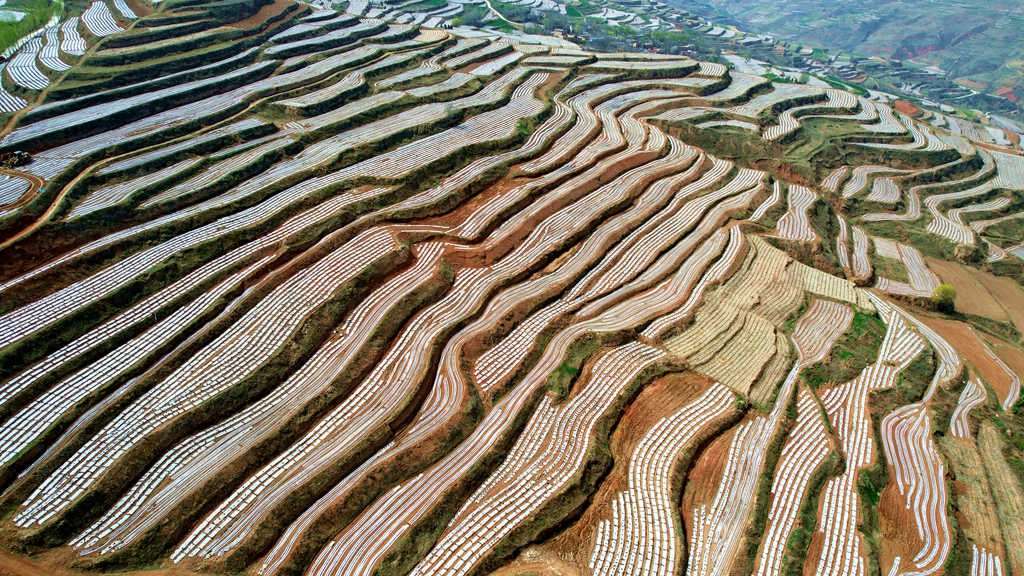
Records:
x=290, y=290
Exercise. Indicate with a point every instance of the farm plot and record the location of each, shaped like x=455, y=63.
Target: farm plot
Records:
x=540, y=464
x=281, y=552
x=22, y=68
x=447, y=396
x=945, y=226
x=887, y=122
x=445, y=313
x=675, y=67
x=974, y=395
x=50, y=54
x=223, y=169
x=166, y=154
x=923, y=281
x=993, y=369
x=12, y=189
x=769, y=202
x=794, y=224
x=972, y=297
x=87, y=119
x=51, y=308
x=8, y=101
x=835, y=178
x=23, y=428
x=840, y=548
x=110, y=195
x=924, y=139
x=914, y=193
x=728, y=124
x=717, y=525
x=555, y=60
x=979, y=226
x=804, y=450
x=193, y=461
x=781, y=95
x=72, y=44
x=99, y=21
x=861, y=262
x=884, y=190
x=496, y=66
x=486, y=53
x=859, y=178
x=250, y=342
x=51, y=162
x=138, y=313
x=1006, y=492
x=735, y=333
x=499, y=362
x=974, y=495
x=640, y=538
x=125, y=11
x=920, y=478
x=842, y=242
x=985, y=563
x=470, y=280
x=334, y=39
x=357, y=549
x=428, y=68
x=867, y=113
x=1007, y=396
x=322, y=152
x=788, y=122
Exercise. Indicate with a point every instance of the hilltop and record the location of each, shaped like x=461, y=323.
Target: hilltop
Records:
x=973, y=43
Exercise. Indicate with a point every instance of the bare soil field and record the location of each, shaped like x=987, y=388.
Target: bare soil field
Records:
x=265, y=13
x=972, y=296
x=893, y=518
x=974, y=350
x=705, y=476
x=1007, y=292
x=904, y=107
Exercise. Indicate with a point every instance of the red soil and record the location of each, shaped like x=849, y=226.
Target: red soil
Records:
x=894, y=520
x=265, y=13
x=904, y=107
x=1007, y=292
x=973, y=349
x=663, y=397
x=972, y=297
x=139, y=8
x=51, y=564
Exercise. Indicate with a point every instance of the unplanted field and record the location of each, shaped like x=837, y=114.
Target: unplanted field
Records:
x=1006, y=292
x=972, y=296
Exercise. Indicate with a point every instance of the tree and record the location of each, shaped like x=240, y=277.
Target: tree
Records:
x=944, y=297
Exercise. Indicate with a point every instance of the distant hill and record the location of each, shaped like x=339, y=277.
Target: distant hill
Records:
x=979, y=43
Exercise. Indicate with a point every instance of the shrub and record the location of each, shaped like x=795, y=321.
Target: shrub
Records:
x=944, y=297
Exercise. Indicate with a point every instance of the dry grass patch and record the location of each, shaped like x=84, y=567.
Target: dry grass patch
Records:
x=977, y=509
